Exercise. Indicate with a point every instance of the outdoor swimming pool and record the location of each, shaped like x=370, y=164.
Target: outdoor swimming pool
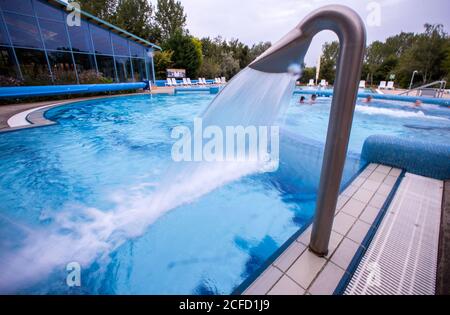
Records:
x=78, y=192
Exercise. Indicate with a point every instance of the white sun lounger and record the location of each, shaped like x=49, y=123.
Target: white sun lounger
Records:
x=362, y=84
x=382, y=85
x=223, y=80
x=390, y=85
x=169, y=82
x=190, y=82
x=311, y=82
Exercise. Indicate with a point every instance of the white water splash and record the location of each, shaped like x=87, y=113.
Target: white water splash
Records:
x=370, y=110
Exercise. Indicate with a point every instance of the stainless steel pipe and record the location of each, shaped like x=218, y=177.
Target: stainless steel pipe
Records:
x=291, y=49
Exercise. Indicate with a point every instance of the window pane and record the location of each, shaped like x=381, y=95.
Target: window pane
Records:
x=105, y=66
x=86, y=69
x=47, y=11
x=102, y=42
x=33, y=65
x=136, y=50
x=62, y=67
x=8, y=70
x=123, y=66
x=120, y=45
x=3, y=34
x=23, y=30
x=139, y=69
x=20, y=6
x=80, y=37
x=54, y=35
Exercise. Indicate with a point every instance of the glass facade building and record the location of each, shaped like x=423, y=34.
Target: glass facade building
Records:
x=38, y=47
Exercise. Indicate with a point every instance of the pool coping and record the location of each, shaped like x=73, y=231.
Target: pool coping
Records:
x=276, y=276
x=35, y=116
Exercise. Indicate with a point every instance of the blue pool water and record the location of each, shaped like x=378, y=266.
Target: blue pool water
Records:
x=78, y=192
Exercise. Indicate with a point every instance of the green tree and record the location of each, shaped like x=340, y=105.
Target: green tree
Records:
x=328, y=61
x=446, y=61
x=135, y=16
x=308, y=74
x=258, y=49
x=229, y=65
x=374, y=58
x=187, y=52
x=170, y=18
x=209, y=68
x=426, y=54
x=241, y=52
x=162, y=61
x=103, y=9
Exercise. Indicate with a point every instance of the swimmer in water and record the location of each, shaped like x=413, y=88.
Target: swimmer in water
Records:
x=313, y=99
x=302, y=100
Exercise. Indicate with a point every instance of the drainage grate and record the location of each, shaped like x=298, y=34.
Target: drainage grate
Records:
x=402, y=257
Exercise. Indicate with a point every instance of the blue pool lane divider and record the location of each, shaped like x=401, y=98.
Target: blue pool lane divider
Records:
x=49, y=90
x=388, y=97
x=415, y=156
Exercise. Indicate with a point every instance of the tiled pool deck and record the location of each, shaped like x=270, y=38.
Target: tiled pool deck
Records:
x=298, y=271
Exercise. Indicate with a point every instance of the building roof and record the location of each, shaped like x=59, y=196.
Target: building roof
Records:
x=93, y=19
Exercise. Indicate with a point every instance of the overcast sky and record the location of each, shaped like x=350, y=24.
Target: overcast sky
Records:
x=253, y=21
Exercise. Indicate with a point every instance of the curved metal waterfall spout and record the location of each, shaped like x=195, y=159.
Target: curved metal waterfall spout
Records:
x=292, y=48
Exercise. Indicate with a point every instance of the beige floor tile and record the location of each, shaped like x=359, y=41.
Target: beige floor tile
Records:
x=377, y=176
x=345, y=253
x=384, y=189
x=354, y=207
x=264, y=282
x=383, y=169
x=306, y=268
x=290, y=255
x=371, y=185
x=343, y=222
x=371, y=166
x=350, y=190
x=363, y=195
x=342, y=200
x=327, y=281
x=366, y=173
x=359, y=231
x=358, y=181
x=305, y=236
x=285, y=286
x=395, y=172
x=369, y=214
x=390, y=180
x=377, y=201
x=335, y=239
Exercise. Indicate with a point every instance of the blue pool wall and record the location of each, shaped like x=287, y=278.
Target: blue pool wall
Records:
x=414, y=156
x=388, y=97
x=48, y=90
x=307, y=170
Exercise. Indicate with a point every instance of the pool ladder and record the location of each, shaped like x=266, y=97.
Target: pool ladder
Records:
x=291, y=50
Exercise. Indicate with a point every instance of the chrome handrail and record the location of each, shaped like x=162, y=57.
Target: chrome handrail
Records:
x=439, y=91
x=292, y=48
